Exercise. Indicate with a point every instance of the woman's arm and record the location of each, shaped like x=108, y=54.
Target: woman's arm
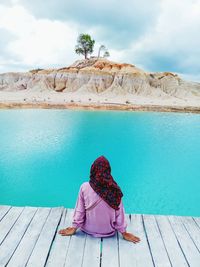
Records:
x=120, y=222
x=121, y=225
x=78, y=216
x=79, y=212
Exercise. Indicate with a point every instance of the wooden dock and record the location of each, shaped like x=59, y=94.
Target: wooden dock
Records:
x=29, y=237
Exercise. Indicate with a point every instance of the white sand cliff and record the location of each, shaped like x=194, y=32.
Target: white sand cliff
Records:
x=99, y=83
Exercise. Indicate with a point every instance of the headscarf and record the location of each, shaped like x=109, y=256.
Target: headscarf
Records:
x=103, y=183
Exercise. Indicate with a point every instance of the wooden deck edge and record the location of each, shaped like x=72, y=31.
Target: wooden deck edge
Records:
x=127, y=214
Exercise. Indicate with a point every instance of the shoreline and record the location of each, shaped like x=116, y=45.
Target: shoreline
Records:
x=99, y=84
x=89, y=101
x=100, y=106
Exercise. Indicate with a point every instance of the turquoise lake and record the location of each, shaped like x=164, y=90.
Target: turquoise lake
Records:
x=45, y=155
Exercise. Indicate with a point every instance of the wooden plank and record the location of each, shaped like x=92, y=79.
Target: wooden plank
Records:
x=91, y=255
x=8, y=221
x=76, y=249
x=25, y=247
x=192, y=228
x=174, y=251
x=29, y=238
x=127, y=252
x=197, y=220
x=110, y=255
x=157, y=247
x=43, y=245
x=60, y=246
x=12, y=240
x=189, y=249
x=3, y=211
x=131, y=254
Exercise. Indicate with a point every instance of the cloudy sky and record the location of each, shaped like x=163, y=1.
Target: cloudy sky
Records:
x=156, y=35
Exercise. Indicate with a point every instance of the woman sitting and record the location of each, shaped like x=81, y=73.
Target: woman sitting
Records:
x=99, y=209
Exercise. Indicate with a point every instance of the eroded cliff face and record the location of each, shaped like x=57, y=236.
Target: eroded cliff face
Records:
x=101, y=76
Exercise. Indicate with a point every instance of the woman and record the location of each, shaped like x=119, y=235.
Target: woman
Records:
x=99, y=209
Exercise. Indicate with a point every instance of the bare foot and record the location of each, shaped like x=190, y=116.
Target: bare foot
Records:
x=130, y=237
x=67, y=231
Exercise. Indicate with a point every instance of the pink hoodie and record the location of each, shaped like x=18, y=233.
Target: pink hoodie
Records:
x=94, y=216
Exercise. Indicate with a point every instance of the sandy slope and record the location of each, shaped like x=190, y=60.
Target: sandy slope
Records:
x=92, y=101
x=99, y=83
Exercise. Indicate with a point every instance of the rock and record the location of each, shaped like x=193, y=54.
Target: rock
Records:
x=101, y=76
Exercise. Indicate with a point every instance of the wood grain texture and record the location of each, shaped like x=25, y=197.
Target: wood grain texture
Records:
x=29, y=237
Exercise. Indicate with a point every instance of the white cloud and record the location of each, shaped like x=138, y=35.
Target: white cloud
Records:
x=38, y=42
x=174, y=42
x=120, y=19
x=157, y=36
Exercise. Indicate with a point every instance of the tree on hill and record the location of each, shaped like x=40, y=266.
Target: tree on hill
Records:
x=103, y=48
x=85, y=45
x=106, y=54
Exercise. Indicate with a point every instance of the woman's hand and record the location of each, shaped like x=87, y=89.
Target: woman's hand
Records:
x=130, y=237
x=67, y=231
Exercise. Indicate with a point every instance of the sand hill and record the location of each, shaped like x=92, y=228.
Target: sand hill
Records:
x=103, y=79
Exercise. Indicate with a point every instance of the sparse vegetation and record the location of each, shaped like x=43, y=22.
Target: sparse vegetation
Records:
x=103, y=48
x=106, y=54
x=85, y=45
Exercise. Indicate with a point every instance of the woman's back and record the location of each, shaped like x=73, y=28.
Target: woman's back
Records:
x=99, y=209
x=94, y=216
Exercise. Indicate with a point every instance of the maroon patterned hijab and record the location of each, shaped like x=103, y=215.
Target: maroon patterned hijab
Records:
x=103, y=183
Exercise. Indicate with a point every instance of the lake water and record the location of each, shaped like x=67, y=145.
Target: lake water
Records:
x=45, y=155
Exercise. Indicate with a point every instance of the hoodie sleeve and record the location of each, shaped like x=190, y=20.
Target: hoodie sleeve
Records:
x=120, y=222
x=79, y=212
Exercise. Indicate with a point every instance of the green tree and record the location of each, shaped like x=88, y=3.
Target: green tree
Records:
x=85, y=45
x=102, y=47
x=106, y=54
